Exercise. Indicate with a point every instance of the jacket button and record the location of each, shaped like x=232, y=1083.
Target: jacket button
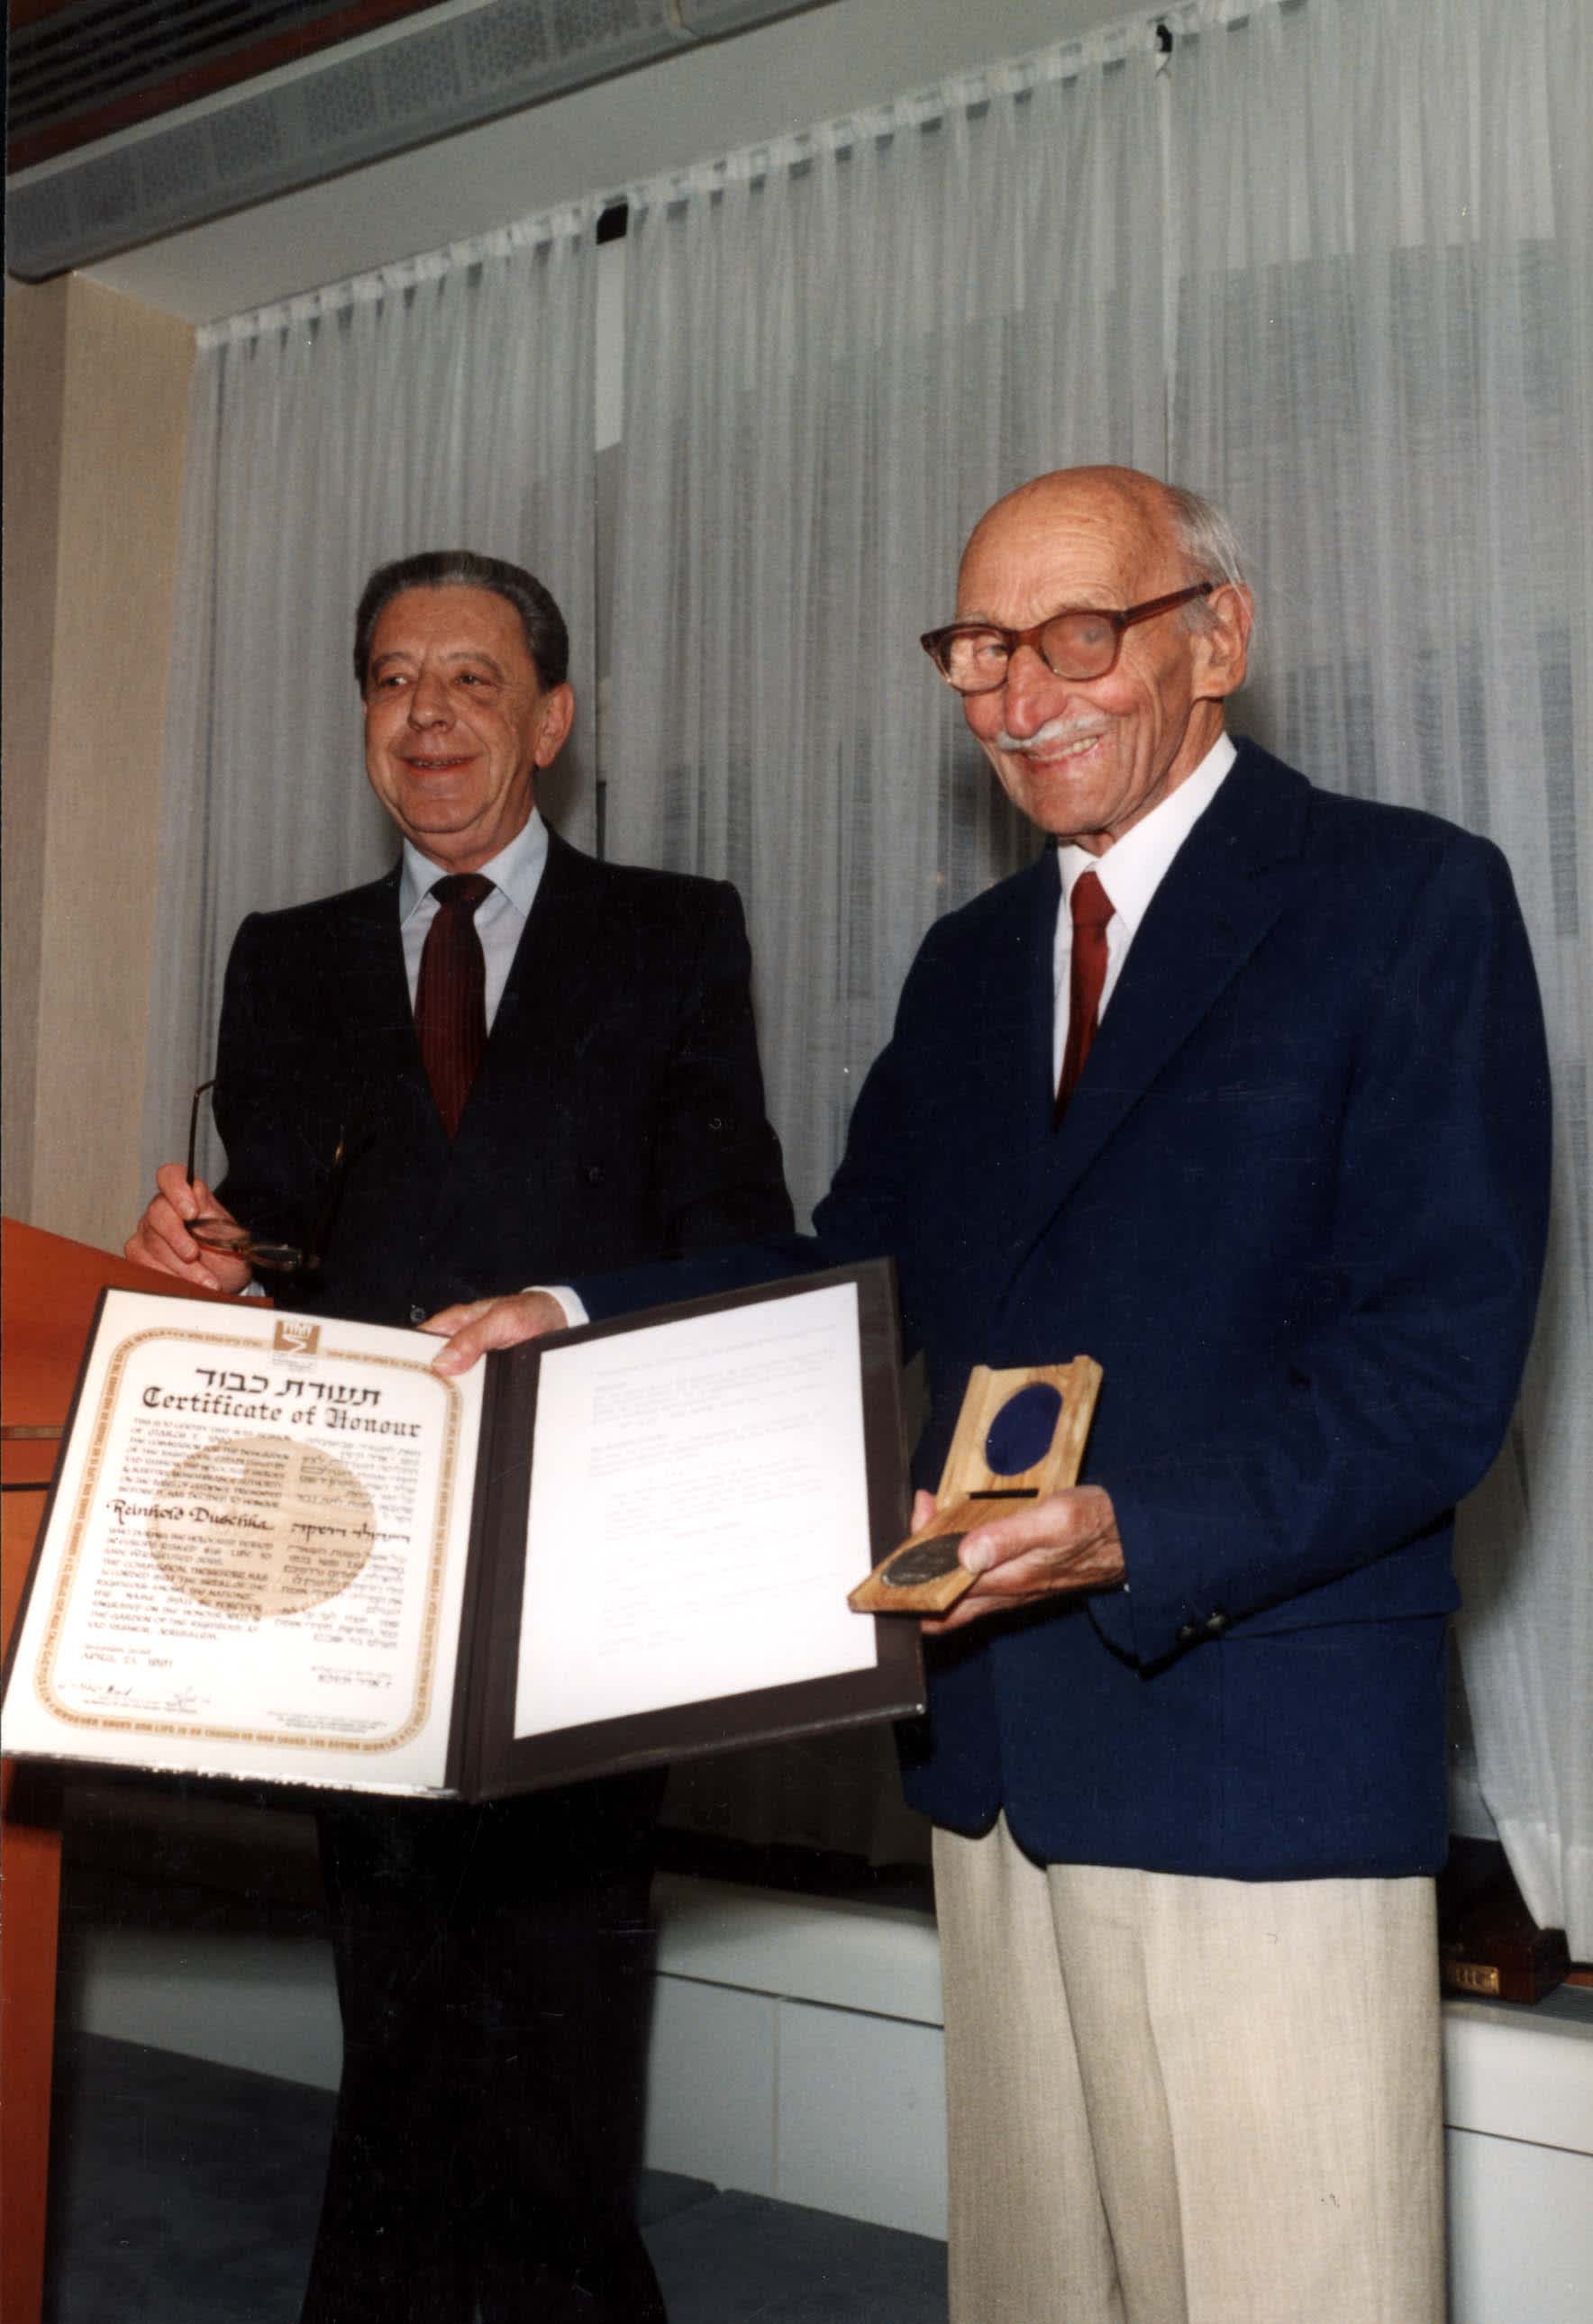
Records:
x=1186, y=1632
x=1217, y=1621
x=417, y=1314
x=594, y=1173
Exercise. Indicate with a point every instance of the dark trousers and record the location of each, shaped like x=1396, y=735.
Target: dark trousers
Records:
x=495, y=1973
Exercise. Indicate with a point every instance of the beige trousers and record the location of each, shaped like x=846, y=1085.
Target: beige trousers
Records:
x=1175, y=2101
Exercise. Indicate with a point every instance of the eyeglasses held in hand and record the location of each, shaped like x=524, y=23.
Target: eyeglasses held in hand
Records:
x=1078, y=642
x=229, y=1237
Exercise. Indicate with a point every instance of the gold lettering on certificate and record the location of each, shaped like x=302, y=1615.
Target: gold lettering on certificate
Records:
x=255, y=1526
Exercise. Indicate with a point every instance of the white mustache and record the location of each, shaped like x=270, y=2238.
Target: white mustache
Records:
x=1055, y=730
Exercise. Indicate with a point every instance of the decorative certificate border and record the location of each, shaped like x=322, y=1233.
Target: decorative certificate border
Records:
x=73, y=1559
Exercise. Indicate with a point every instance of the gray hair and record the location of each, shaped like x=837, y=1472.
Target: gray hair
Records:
x=547, y=641
x=1205, y=535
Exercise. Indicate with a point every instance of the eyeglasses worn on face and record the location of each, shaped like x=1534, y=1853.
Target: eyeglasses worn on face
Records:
x=1079, y=642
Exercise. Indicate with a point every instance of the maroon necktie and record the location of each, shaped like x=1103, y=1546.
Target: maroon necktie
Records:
x=1091, y=908
x=451, y=1005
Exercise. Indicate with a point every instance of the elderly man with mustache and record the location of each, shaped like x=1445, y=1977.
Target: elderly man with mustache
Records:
x=1241, y=1090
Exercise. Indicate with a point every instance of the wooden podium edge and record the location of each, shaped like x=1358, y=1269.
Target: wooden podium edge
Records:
x=51, y=1286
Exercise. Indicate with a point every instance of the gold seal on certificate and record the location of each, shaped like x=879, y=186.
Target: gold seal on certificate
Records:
x=1020, y=1434
x=262, y=1525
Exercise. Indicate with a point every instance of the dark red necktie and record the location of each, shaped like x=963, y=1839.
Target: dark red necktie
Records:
x=1091, y=908
x=450, y=1002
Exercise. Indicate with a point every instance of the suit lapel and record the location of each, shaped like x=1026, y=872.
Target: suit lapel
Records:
x=555, y=987
x=1015, y=1009
x=531, y=1038
x=370, y=989
x=558, y=986
x=1219, y=897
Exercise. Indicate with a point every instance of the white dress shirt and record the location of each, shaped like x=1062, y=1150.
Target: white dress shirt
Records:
x=515, y=872
x=1131, y=870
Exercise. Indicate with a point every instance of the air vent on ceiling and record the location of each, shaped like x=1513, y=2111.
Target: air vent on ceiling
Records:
x=357, y=102
x=83, y=69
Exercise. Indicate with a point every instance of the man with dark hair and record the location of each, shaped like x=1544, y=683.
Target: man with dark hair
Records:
x=547, y=641
x=535, y=1065
x=1240, y=1090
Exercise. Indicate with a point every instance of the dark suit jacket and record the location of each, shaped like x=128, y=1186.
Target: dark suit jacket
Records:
x=617, y=1114
x=1296, y=1210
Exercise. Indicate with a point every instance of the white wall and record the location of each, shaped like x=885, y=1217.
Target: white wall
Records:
x=96, y=415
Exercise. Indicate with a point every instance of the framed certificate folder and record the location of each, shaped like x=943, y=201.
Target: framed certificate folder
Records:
x=281, y=1548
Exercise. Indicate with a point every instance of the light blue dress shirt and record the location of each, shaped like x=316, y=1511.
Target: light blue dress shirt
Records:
x=516, y=874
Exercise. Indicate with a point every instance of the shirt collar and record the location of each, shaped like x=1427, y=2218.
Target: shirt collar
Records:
x=1131, y=870
x=517, y=868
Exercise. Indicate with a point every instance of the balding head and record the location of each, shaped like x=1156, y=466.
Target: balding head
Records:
x=1087, y=759
x=1128, y=505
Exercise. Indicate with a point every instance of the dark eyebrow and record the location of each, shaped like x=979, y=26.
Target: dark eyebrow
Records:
x=461, y=654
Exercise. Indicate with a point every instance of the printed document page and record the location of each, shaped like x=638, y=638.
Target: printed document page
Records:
x=699, y=1511
x=256, y=1552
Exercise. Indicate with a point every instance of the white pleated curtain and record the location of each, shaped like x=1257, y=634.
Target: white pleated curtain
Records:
x=839, y=349
x=444, y=402
x=1383, y=363
x=1329, y=262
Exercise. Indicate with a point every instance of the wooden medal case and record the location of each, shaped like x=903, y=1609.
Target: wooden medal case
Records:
x=1004, y=1414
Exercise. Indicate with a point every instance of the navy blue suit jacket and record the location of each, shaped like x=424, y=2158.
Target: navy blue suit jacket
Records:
x=1296, y=1210
x=618, y=1115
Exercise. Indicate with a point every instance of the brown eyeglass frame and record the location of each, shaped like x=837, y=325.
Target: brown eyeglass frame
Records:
x=936, y=641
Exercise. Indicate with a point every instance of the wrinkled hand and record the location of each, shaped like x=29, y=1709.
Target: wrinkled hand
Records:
x=1065, y=1542
x=161, y=1238
x=478, y=1324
